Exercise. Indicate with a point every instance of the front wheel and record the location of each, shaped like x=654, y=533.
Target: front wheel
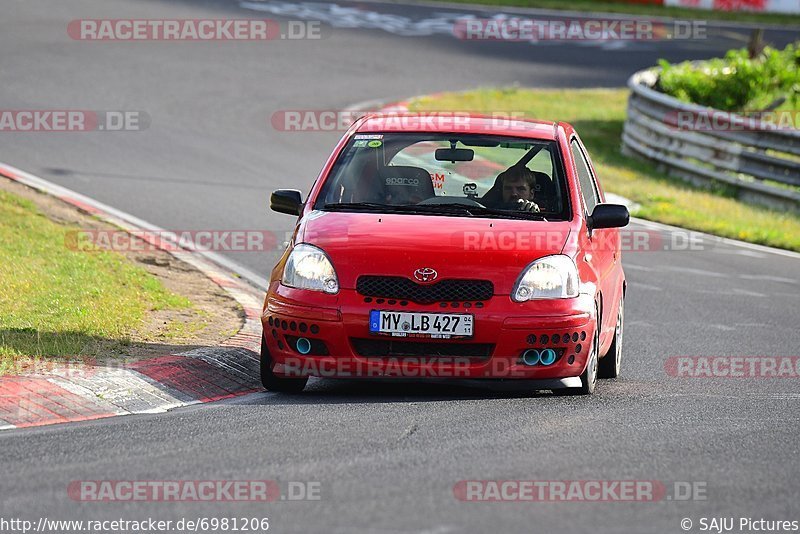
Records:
x=611, y=364
x=274, y=382
x=589, y=376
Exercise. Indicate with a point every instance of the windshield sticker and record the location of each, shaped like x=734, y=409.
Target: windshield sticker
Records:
x=438, y=180
x=360, y=144
x=368, y=136
x=374, y=144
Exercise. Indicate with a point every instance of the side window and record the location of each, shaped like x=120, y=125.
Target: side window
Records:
x=587, y=183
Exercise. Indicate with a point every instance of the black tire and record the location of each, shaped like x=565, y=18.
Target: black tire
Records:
x=273, y=382
x=611, y=364
x=589, y=376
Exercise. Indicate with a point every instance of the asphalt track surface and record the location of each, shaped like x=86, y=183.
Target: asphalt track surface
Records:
x=387, y=455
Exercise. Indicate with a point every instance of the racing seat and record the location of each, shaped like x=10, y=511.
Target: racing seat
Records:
x=360, y=186
x=493, y=196
x=544, y=194
x=405, y=185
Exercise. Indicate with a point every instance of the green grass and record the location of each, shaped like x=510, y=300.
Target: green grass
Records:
x=609, y=6
x=598, y=116
x=57, y=303
x=177, y=329
x=737, y=82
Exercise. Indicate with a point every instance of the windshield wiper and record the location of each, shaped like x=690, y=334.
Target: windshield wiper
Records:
x=355, y=206
x=443, y=209
x=480, y=210
x=508, y=213
x=374, y=207
x=414, y=209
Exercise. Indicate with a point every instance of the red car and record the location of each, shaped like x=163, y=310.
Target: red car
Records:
x=459, y=246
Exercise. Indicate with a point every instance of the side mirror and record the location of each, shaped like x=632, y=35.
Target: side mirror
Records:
x=609, y=216
x=288, y=201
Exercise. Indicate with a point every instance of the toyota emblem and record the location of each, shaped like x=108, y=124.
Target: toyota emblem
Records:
x=426, y=274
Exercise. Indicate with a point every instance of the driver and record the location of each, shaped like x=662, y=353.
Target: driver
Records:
x=517, y=184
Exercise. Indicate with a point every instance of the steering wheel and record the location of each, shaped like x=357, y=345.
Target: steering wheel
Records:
x=433, y=201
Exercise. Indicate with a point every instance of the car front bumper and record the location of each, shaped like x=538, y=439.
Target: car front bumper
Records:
x=339, y=343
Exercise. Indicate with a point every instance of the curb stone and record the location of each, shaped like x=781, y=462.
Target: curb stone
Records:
x=85, y=392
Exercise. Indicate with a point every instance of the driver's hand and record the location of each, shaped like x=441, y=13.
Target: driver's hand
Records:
x=528, y=205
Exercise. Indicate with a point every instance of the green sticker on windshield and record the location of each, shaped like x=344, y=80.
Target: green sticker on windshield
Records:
x=374, y=144
x=359, y=144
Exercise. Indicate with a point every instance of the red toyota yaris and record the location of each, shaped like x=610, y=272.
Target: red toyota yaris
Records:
x=457, y=246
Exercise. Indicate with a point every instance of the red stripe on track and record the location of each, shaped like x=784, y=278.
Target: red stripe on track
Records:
x=222, y=281
x=28, y=402
x=8, y=174
x=82, y=205
x=195, y=378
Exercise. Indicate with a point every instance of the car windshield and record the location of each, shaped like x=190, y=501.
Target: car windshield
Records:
x=448, y=174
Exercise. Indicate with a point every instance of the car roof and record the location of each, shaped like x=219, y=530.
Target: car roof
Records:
x=456, y=122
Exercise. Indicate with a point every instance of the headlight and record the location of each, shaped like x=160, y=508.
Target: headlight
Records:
x=551, y=277
x=308, y=267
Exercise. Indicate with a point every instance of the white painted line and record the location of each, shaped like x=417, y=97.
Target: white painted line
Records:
x=642, y=285
x=748, y=253
x=634, y=267
x=747, y=293
x=768, y=278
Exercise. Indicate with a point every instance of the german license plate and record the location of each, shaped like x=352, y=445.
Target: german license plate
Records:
x=419, y=324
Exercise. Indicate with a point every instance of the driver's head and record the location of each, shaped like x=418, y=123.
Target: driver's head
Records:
x=518, y=183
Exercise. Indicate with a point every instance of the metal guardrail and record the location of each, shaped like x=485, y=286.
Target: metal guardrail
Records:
x=732, y=150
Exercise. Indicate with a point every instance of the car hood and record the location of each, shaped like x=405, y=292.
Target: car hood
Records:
x=456, y=247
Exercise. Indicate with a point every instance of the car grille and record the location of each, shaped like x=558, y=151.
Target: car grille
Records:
x=386, y=348
x=397, y=287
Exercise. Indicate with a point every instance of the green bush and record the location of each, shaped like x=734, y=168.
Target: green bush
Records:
x=736, y=82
